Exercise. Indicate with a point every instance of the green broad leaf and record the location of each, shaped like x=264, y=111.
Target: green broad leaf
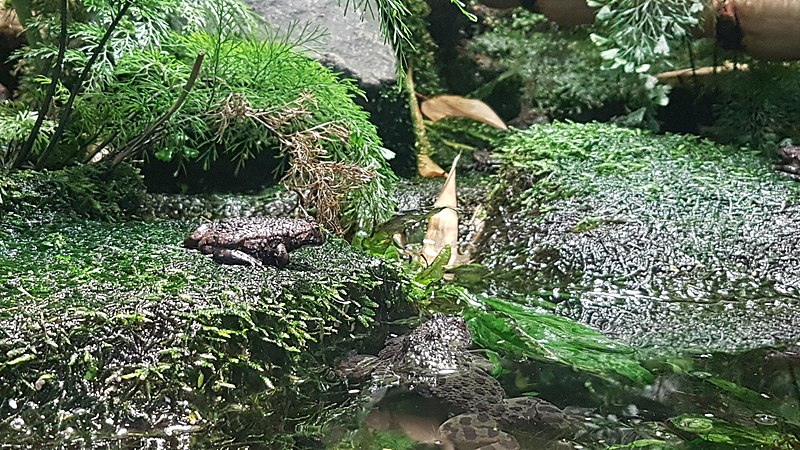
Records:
x=435, y=271
x=711, y=429
x=740, y=392
x=650, y=444
x=21, y=359
x=522, y=332
x=470, y=274
x=756, y=401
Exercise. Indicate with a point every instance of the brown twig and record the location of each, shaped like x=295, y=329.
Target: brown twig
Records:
x=320, y=182
x=137, y=143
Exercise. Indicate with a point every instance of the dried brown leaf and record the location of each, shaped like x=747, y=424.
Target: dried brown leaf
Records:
x=439, y=107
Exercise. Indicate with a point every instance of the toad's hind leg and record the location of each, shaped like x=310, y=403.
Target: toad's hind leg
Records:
x=238, y=257
x=476, y=431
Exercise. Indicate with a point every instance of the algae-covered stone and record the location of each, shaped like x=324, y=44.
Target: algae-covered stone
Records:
x=91, y=190
x=667, y=242
x=111, y=326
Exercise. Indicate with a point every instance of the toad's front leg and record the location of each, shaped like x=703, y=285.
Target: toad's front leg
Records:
x=281, y=255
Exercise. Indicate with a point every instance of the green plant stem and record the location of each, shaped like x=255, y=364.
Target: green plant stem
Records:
x=423, y=145
x=136, y=143
x=55, y=76
x=62, y=121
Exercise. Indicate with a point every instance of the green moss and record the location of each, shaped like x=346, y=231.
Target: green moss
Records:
x=84, y=191
x=421, y=55
x=587, y=224
x=758, y=107
x=665, y=225
x=115, y=324
x=557, y=161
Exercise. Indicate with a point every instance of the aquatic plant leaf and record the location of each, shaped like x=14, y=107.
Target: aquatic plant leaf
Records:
x=755, y=401
x=711, y=429
x=442, y=106
x=651, y=444
x=435, y=271
x=523, y=332
x=472, y=274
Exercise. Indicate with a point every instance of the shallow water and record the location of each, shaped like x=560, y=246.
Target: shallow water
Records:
x=750, y=400
x=689, y=253
x=721, y=380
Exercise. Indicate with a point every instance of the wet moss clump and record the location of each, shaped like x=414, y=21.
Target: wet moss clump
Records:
x=670, y=243
x=421, y=57
x=93, y=190
x=108, y=330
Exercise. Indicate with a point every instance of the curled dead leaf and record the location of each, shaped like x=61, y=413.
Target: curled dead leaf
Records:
x=443, y=226
x=426, y=167
x=441, y=106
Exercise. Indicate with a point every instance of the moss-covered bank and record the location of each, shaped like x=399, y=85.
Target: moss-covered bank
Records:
x=106, y=327
x=668, y=242
x=93, y=191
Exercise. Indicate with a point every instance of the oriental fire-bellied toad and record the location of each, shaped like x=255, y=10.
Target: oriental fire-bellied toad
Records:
x=254, y=240
x=433, y=361
x=790, y=160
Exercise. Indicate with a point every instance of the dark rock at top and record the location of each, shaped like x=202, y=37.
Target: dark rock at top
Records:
x=353, y=46
x=356, y=48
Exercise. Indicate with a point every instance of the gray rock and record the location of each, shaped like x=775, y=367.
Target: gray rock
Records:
x=353, y=46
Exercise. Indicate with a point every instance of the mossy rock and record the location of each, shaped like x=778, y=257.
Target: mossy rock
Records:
x=106, y=326
x=669, y=242
x=92, y=190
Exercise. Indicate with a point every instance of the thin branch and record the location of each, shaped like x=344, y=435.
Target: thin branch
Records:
x=55, y=76
x=143, y=138
x=107, y=141
x=319, y=181
x=62, y=121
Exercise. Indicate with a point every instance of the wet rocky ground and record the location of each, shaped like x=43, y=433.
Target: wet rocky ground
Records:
x=671, y=244
x=113, y=334
x=682, y=249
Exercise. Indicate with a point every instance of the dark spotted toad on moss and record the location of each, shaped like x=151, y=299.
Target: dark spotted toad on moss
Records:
x=254, y=240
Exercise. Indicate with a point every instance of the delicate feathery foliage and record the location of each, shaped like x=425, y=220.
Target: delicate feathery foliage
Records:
x=146, y=24
x=635, y=32
x=266, y=76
